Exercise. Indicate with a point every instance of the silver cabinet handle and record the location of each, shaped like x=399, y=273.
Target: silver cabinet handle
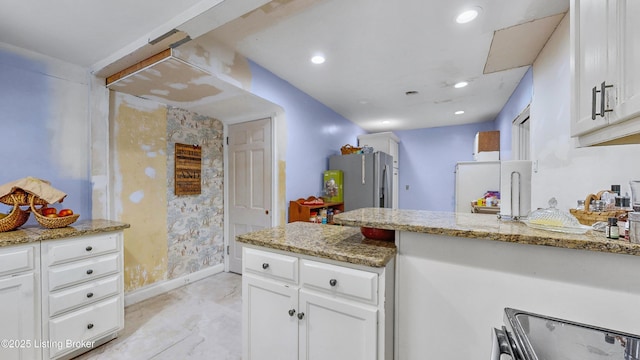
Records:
x=265, y=266
x=300, y=316
x=603, y=86
x=594, y=91
x=333, y=282
x=292, y=312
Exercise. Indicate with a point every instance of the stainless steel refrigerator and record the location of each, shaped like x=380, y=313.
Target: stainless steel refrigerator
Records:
x=367, y=179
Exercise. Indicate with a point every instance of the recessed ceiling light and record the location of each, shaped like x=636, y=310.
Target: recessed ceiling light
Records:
x=461, y=84
x=385, y=121
x=318, y=59
x=468, y=15
x=459, y=112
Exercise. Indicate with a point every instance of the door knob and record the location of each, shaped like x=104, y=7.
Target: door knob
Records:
x=300, y=316
x=292, y=312
x=266, y=212
x=333, y=282
x=265, y=266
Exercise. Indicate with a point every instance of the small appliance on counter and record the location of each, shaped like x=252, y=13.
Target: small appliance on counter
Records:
x=333, y=185
x=528, y=336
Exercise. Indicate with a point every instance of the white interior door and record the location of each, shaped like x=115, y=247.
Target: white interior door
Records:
x=250, y=174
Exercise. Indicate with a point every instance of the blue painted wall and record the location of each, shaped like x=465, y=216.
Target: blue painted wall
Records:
x=314, y=132
x=518, y=101
x=427, y=163
x=28, y=125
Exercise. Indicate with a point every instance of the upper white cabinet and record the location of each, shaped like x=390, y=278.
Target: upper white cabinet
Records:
x=386, y=142
x=605, y=42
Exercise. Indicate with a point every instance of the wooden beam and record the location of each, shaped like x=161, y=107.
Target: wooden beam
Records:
x=139, y=66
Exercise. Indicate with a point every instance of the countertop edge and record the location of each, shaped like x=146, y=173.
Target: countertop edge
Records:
x=397, y=220
x=31, y=234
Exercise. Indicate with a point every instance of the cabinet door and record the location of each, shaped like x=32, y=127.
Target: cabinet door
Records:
x=593, y=24
x=629, y=52
x=336, y=329
x=19, y=321
x=270, y=330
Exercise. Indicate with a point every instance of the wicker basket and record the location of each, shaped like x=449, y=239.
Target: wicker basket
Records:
x=16, y=218
x=49, y=222
x=586, y=217
x=591, y=217
x=20, y=197
x=348, y=149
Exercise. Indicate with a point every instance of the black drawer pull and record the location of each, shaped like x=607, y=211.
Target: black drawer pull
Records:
x=265, y=266
x=333, y=282
x=89, y=248
x=90, y=295
x=90, y=326
x=89, y=272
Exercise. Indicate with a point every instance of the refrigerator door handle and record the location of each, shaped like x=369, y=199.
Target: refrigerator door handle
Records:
x=383, y=190
x=363, y=169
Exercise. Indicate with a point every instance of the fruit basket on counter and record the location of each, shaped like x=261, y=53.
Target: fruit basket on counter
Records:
x=16, y=218
x=37, y=194
x=588, y=216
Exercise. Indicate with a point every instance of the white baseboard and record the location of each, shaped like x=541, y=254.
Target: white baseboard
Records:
x=162, y=287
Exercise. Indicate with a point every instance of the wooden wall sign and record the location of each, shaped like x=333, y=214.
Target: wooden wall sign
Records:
x=188, y=168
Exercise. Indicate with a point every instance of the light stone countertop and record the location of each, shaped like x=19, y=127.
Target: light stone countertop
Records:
x=481, y=226
x=29, y=234
x=340, y=243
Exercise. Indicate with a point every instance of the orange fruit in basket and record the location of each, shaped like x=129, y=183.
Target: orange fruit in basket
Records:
x=48, y=210
x=54, y=215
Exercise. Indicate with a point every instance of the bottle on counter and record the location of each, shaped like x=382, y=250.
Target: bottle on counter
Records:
x=330, y=216
x=323, y=216
x=612, y=231
x=313, y=217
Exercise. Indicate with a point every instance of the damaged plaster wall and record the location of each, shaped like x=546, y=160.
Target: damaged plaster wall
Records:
x=139, y=181
x=170, y=236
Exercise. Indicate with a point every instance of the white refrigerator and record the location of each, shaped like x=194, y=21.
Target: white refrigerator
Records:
x=512, y=178
x=473, y=180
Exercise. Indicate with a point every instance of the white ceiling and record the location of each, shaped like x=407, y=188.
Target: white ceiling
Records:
x=376, y=50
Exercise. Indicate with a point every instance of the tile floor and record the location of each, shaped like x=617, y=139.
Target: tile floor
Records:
x=199, y=321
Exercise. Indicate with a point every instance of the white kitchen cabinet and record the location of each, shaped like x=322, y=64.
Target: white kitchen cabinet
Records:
x=20, y=302
x=386, y=142
x=319, y=309
x=605, y=46
x=269, y=319
x=82, y=293
x=336, y=329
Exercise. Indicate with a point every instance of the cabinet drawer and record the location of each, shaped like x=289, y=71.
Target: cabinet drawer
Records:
x=86, y=324
x=341, y=281
x=68, y=250
x=281, y=267
x=81, y=271
x=84, y=294
x=16, y=259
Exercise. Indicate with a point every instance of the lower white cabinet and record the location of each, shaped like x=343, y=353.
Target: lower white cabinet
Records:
x=321, y=309
x=20, y=302
x=82, y=293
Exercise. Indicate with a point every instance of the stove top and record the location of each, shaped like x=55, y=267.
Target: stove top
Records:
x=545, y=338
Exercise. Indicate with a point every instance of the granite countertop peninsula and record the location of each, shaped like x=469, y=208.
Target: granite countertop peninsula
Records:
x=29, y=234
x=481, y=226
x=340, y=243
